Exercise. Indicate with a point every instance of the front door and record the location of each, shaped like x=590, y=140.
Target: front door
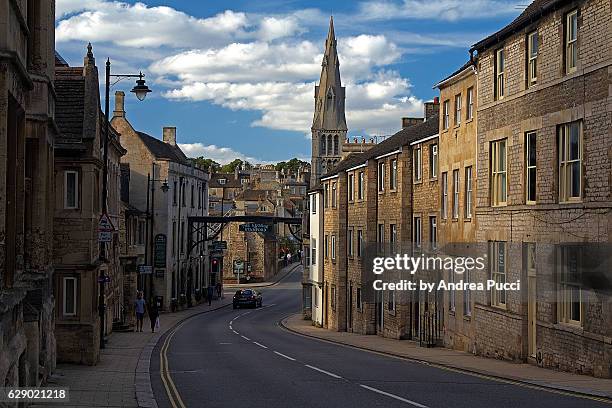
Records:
x=531, y=299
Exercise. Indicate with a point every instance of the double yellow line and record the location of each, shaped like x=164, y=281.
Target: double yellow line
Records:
x=173, y=395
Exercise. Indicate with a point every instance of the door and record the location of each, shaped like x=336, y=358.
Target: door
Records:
x=531, y=299
x=326, y=295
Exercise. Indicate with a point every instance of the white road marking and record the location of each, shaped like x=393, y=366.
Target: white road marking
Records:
x=235, y=332
x=416, y=404
x=245, y=337
x=260, y=345
x=323, y=371
x=284, y=355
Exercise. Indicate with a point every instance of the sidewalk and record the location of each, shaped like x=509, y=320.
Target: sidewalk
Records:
x=122, y=378
x=522, y=373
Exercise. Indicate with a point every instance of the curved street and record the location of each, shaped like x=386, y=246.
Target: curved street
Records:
x=234, y=358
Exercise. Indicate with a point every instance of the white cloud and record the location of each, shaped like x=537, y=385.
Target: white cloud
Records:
x=222, y=155
x=449, y=10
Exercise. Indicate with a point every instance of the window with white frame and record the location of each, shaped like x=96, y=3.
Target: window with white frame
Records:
x=313, y=203
x=333, y=247
x=326, y=248
x=333, y=297
x=570, y=286
x=326, y=195
x=393, y=175
x=360, y=185
x=446, y=114
x=456, y=193
x=349, y=242
x=418, y=163
x=69, y=296
x=470, y=103
x=498, y=272
x=393, y=233
x=570, y=162
x=532, y=58
x=381, y=176
x=313, y=251
x=457, y=109
x=417, y=231
x=334, y=197
x=499, y=73
x=433, y=232
x=468, y=192
x=499, y=182
x=530, y=167
x=351, y=187
x=444, y=196
x=571, y=41
x=359, y=243
x=433, y=160
x=71, y=189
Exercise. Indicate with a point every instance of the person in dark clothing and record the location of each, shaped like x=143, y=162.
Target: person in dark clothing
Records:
x=153, y=314
x=218, y=288
x=209, y=293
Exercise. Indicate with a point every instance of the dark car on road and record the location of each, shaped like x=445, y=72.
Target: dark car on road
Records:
x=247, y=297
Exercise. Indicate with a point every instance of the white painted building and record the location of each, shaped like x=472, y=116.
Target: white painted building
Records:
x=315, y=276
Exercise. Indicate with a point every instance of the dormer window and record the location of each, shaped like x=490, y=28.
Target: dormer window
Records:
x=222, y=181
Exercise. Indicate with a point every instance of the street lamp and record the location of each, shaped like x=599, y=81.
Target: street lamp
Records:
x=141, y=90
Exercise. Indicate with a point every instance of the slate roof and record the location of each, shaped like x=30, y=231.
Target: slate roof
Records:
x=401, y=138
x=533, y=12
x=162, y=150
x=69, y=107
x=254, y=195
x=230, y=181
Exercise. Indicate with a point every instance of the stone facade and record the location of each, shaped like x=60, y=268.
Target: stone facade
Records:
x=178, y=272
x=538, y=323
x=78, y=208
x=27, y=134
x=457, y=153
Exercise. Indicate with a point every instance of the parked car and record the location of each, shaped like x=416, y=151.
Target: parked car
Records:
x=247, y=297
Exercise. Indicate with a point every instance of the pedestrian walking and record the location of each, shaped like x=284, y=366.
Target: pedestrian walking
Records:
x=139, y=307
x=209, y=292
x=218, y=287
x=154, y=315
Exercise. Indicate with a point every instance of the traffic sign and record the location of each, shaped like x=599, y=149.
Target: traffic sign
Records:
x=254, y=227
x=145, y=269
x=105, y=224
x=105, y=236
x=218, y=245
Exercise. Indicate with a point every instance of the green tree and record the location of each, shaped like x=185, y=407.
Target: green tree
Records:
x=231, y=166
x=206, y=163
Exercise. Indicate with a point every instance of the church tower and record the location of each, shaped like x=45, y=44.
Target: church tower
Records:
x=329, y=123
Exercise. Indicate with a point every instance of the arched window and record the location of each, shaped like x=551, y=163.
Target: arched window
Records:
x=322, y=145
x=329, y=145
x=336, y=144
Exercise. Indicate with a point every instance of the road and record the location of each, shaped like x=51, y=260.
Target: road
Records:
x=242, y=358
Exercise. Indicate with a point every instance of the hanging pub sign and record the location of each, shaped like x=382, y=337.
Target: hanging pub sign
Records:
x=159, y=260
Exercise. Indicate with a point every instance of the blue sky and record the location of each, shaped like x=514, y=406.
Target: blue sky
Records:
x=236, y=77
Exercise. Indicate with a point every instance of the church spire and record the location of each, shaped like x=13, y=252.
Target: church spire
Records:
x=329, y=94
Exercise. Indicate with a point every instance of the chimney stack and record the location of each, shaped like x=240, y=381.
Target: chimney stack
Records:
x=170, y=135
x=119, y=104
x=432, y=108
x=408, y=122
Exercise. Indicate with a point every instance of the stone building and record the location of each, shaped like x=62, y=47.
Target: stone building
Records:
x=78, y=209
x=223, y=189
x=456, y=165
x=27, y=134
x=176, y=191
x=544, y=199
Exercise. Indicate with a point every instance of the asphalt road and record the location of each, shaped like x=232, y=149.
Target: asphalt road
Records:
x=242, y=358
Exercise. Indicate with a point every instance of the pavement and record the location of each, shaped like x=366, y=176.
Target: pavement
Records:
x=121, y=378
x=232, y=358
x=465, y=362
